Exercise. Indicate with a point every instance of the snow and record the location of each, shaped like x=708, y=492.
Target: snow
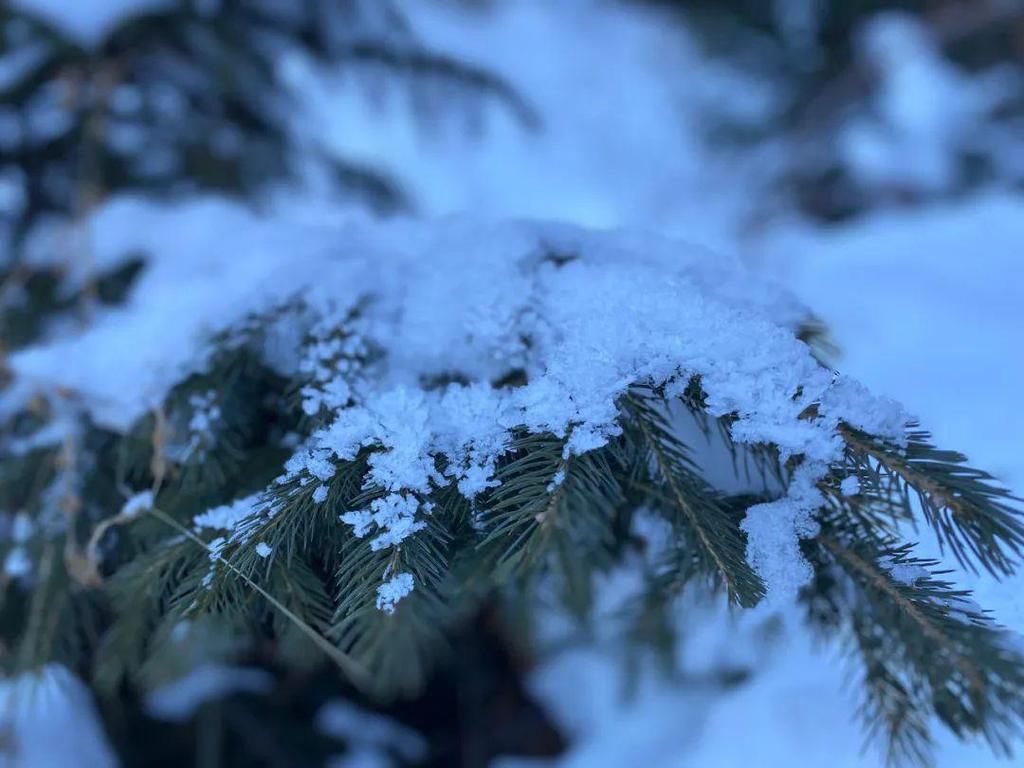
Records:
x=393, y=590
x=945, y=288
x=925, y=305
x=617, y=146
x=918, y=303
x=394, y=516
x=774, y=531
x=178, y=700
x=87, y=22
x=925, y=110
x=140, y=502
x=694, y=723
x=17, y=563
x=904, y=573
x=22, y=528
x=336, y=350
x=227, y=516
x=460, y=295
x=850, y=486
x=367, y=733
x=263, y=549
x=179, y=300
x=49, y=720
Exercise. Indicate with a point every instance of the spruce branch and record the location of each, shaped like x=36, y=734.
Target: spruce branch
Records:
x=300, y=587
x=37, y=639
x=762, y=457
x=927, y=649
x=293, y=521
x=140, y=593
x=397, y=648
x=980, y=522
x=677, y=486
x=352, y=669
x=545, y=499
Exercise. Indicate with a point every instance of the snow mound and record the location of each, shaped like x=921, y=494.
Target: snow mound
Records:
x=579, y=316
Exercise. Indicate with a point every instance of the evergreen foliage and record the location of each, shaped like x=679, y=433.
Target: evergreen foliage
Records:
x=288, y=574
x=814, y=53
x=184, y=97
x=197, y=535
x=179, y=97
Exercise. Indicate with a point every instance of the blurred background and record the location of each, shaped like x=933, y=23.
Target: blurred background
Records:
x=867, y=155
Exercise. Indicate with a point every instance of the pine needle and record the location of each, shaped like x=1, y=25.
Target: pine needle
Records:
x=355, y=672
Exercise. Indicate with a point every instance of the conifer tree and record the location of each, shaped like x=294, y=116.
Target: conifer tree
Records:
x=841, y=63
x=357, y=461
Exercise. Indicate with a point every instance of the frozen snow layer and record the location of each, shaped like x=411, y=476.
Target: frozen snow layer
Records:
x=584, y=315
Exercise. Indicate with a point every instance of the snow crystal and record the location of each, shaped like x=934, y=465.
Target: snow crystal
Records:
x=774, y=531
x=393, y=590
x=905, y=573
x=331, y=362
x=556, y=481
x=320, y=494
x=138, y=503
x=959, y=607
x=398, y=421
x=850, y=486
x=394, y=517
x=263, y=549
x=228, y=516
x=215, y=547
x=199, y=433
x=848, y=400
x=177, y=701
x=315, y=462
x=206, y=412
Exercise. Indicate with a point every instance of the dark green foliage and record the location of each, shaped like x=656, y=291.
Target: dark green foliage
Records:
x=132, y=601
x=543, y=496
x=292, y=586
x=295, y=526
x=972, y=515
x=179, y=98
x=398, y=650
x=141, y=595
x=926, y=648
x=810, y=53
x=28, y=297
x=673, y=485
x=552, y=520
